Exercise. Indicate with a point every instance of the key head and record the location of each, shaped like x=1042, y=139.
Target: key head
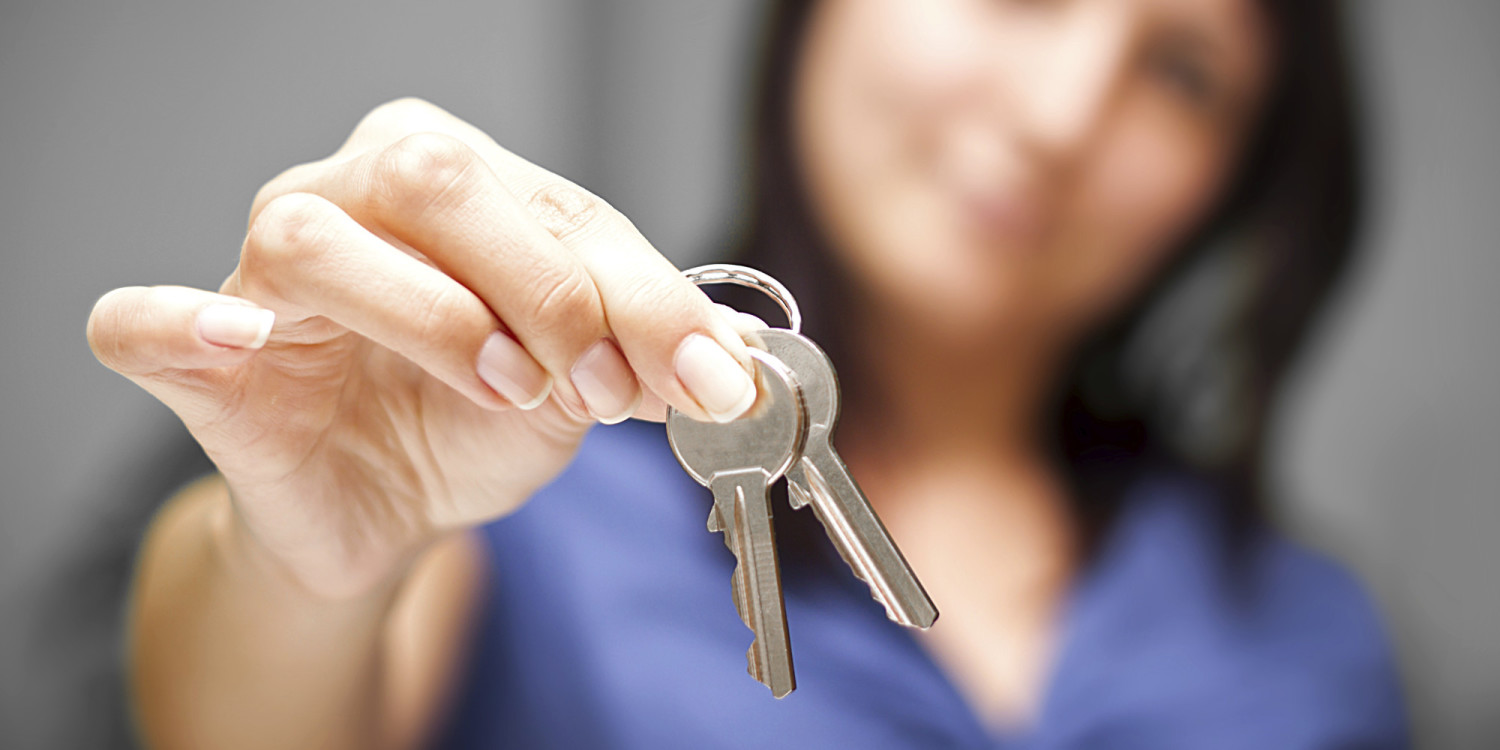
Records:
x=815, y=373
x=770, y=436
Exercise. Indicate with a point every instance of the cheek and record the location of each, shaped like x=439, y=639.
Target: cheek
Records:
x=1144, y=192
x=878, y=82
x=894, y=55
x=874, y=74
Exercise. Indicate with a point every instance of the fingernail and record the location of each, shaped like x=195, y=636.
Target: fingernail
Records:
x=604, y=380
x=506, y=366
x=713, y=378
x=743, y=323
x=236, y=326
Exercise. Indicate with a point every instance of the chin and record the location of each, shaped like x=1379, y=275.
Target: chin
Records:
x=961, y=303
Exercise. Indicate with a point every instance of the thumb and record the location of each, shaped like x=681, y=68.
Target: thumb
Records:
x=141, y=331
x=176, y=341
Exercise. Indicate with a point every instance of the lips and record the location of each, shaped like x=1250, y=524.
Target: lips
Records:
x=1000, y=215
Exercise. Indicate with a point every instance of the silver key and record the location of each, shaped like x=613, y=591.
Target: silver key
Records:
x=739, y=461
x=819, y=478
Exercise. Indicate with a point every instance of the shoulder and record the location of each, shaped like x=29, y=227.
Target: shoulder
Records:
x=1264, y=635
x=1307, y=604
x=1313, y=637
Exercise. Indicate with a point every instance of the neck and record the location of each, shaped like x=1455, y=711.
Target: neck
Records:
x=928, y=396
x=945, y=435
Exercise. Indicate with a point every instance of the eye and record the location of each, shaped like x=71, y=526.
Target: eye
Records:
x=1027, y=3
x=1181, y=69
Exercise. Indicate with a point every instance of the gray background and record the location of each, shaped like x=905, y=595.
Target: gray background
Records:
x=133, y=135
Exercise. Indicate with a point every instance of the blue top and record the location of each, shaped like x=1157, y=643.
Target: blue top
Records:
x=609, y=624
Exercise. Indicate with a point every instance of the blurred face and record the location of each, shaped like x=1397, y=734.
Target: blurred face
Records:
x=989, y=166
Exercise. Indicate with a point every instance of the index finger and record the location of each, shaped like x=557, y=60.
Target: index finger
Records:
x=677, y=343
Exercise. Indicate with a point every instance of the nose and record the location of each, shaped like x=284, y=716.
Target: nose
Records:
x=1060, y=86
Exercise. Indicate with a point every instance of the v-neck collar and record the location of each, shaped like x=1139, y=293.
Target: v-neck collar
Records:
x=1082, y=624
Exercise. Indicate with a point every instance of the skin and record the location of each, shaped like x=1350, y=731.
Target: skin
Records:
x=996, y=178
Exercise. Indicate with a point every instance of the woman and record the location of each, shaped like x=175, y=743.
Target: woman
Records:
x=986, y=208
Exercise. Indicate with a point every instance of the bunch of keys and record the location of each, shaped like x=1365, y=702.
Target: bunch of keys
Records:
x=787, y=432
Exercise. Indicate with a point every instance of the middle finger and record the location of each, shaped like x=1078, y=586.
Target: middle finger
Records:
x=434, y=193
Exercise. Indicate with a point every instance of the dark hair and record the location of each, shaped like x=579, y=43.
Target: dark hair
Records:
x=1185, y=376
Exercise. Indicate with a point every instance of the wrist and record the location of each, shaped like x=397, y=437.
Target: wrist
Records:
x=249, y=561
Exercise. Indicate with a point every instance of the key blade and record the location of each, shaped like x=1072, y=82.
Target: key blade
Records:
x=744, y=510
x=857, y=533
x=769, y=658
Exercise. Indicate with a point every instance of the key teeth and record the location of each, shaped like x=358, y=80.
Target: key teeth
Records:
x=796, y=496
x=800, y=498
x=875, y=592
x=891, y=613
x=810, y=474
x=752, y=665
x=739, y=603
x=751, y=538
x=757, y=671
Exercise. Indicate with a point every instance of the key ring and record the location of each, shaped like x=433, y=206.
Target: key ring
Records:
x=728, y=273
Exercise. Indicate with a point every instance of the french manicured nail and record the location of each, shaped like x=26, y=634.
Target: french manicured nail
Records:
x=743, y=323
x=235, y=326
x=506, y=366
x=604, y=380
x=713, y=378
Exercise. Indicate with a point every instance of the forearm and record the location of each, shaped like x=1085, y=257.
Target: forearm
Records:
x=226, y=652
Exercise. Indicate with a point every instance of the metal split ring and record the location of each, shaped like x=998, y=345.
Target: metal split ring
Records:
x=727, y=273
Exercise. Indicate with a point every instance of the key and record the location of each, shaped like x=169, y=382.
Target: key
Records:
x=819, y=478
x=739, y=461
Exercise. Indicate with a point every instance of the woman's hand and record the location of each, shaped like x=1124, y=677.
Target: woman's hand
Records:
x=449, y=320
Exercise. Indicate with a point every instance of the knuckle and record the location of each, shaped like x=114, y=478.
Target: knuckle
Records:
x=423, y=169
x=267, y=193
x=569, y=211
x=290, y=228
x=401, y=113
x=653, y=300
x=286, y=182
x=560, y=298
x=440, y=317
